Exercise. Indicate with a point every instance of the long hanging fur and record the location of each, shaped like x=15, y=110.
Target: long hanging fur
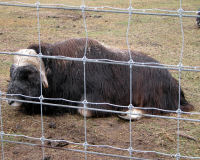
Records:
x=109, y=83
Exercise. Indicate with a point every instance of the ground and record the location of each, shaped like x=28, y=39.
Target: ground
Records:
x=157, y=36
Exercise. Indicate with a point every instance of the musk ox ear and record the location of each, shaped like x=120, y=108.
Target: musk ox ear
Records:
x=45, y=48
x=12, y=68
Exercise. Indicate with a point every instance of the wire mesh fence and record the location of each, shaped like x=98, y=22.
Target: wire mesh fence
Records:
x=180, y=13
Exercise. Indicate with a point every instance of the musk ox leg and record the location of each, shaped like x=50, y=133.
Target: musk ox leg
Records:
x=94, y=113
x=87, y=113
x=133, y=114
x=95, y=97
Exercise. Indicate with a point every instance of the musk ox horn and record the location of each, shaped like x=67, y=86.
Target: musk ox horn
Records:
x=26, y=60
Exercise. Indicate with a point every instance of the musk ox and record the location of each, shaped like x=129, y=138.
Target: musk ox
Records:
x=198, y=18
x=110, y=83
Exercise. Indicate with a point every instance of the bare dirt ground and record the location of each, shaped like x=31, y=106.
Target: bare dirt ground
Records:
x=147, y=135
x=159, y=37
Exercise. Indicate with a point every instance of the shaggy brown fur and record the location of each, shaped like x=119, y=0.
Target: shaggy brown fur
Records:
x=107, y=82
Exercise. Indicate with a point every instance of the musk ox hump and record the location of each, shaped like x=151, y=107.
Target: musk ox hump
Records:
x=35, y=61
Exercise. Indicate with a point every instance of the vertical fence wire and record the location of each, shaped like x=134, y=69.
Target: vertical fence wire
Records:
x=41, y=94
x=2, y=132
x=84, y=78
x=130, y=89
x=128, y=28
x=179, y=79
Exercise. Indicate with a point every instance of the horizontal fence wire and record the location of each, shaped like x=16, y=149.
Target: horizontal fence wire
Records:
x=107, y=9
x=117, y=112
x=109, y=61
x=88, y=102
x=40, y=100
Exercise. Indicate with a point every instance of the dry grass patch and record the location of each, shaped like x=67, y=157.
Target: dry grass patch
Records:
x=159, y=37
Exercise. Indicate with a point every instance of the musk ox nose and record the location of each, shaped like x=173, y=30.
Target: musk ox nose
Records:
x=10, y=102
x=14, y=103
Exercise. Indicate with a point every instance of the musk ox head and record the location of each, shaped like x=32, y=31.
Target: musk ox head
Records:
x=25, y=77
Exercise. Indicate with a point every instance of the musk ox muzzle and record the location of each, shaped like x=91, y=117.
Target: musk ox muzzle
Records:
x=105, y=83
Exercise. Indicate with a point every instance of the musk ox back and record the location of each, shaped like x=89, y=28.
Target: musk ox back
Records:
x=152, y=87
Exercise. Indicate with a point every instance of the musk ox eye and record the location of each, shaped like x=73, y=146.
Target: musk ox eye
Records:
x=12, y=68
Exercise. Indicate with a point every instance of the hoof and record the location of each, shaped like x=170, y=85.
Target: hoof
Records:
x=85, y=113
x=134, y=114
